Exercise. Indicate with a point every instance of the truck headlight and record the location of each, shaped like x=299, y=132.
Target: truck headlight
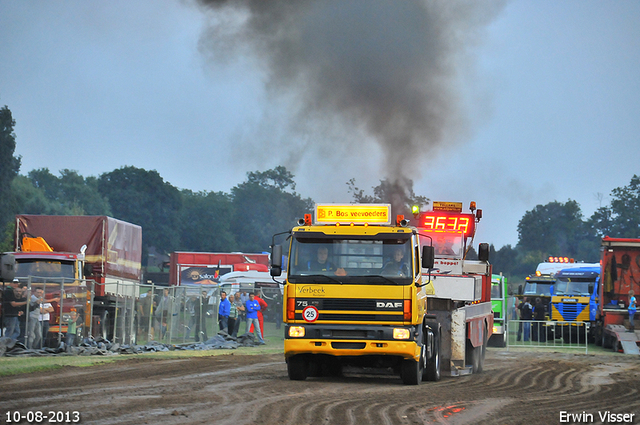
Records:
x=401, y=333
x=296, y=331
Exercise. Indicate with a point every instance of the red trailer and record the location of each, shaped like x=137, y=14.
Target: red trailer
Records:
x=206, y=267
x=620, y=273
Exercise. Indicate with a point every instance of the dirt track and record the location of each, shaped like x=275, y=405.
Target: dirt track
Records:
x=515, y=388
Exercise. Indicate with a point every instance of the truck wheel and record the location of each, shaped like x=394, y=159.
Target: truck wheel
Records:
x=473, y=356
x=411, y=372
x=297, y=368
x=432, y=372
x=597, y=335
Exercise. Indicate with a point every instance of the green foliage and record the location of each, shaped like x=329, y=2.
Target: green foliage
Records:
x=622, y=218
x=70, y=194
x=9, y=165
x=266, y=204
x=207, y=222
x=142, y=197
x=557, y=229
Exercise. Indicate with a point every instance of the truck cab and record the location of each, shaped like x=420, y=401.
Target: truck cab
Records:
x=53, y=271
x=576, y=301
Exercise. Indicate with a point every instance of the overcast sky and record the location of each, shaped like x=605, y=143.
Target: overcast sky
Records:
x=547, y=101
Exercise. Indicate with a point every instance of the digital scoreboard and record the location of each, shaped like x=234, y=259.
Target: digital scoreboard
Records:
x=447, y=222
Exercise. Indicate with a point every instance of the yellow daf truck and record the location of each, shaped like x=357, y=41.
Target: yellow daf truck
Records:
x=357, y=292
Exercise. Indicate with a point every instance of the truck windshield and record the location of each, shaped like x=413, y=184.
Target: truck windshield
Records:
x=45, y=268
x=537, y=288
x=574, y=287
x=383, y=259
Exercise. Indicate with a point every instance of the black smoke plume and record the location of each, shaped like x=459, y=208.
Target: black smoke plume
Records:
x=386, y=71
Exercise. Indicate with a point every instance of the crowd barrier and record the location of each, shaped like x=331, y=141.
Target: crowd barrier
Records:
x=139, y=314
x=548, y=334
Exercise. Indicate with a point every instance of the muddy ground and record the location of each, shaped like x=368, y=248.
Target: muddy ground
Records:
x=515, y=388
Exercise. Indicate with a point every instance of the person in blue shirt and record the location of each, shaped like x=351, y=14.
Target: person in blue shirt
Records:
x=223, y=312
x=632, y=310
x=252, y=306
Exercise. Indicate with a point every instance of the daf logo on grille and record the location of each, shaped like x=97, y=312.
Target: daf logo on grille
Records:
x=382, y=304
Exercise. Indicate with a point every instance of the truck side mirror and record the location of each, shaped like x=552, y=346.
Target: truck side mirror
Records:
x=7, y=267
x=428, y=256
x=87, y=270
x=519, y=289
x=276, y=260
x=483, y=252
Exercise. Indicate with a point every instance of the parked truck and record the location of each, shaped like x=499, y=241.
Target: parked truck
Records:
x=574, y=302
x=620, y=273
x=90, y=264
x=499, y=306
x=365, y=291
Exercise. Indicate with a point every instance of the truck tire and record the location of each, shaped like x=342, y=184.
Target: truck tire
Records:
x=597, y=335
x=297, y=368
x=473, y=357
x=432, y=371
x=411, y=371
x=483, y=352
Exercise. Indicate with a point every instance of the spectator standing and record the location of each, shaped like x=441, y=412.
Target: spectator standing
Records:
x=144, y=310
x=233, y=314
x=519, y=318
x=72, y=323
x=539, y=311
x=253, y=307
x=526, y=314
x=223, y=312
x=34, y=332
x=632, y=310
x=200, y=311
x=242, y=314
x=164, y=309
x=263, y=308
x=13, y=309
x=22, y=315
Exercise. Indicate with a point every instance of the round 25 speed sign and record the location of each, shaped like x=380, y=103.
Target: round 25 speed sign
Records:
x=310, y=313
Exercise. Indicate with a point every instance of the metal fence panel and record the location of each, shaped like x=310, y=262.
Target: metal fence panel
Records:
x=138, y=315
x=548, y=334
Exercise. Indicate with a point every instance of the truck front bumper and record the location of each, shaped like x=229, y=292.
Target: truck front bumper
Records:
x=352, y=340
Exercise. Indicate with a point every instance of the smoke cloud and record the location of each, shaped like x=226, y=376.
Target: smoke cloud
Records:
x=386, y=72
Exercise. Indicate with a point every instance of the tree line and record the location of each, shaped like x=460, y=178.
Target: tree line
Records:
x=266, y=203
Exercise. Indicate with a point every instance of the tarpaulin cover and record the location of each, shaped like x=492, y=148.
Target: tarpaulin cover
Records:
x=114, y=247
